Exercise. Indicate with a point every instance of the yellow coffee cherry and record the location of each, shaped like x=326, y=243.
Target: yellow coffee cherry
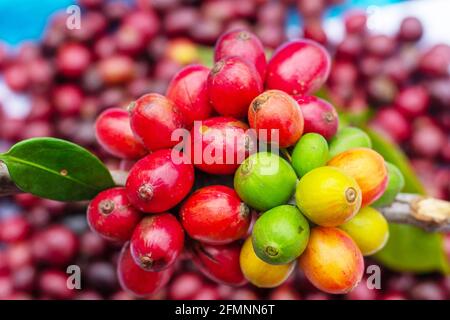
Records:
x=260, y=273
x=369, y=229
x=328, y=197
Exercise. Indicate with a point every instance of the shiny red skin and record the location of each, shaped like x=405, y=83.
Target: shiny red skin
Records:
x=67, y=99
x=232, y=84
x=73, y=59
x=156, y=184
x=55, y=245
x=244, y=44
x=298, y=67
x=219, y=263
x=215, y=215
x=113, y=133
x=188, y=90
x=412, y=101
x=185, y=285
x=145, y=21
x=157, y=242
x=220, y=136
x=111, y=215
x=53, y=284
x=153, y=118
x=137, y=281
x=276, y=110
x=320, y=116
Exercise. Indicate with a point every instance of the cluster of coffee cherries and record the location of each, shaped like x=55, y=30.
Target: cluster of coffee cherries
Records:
x=235, y=119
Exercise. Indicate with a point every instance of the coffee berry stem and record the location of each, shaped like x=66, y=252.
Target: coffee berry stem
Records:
x=425, y=212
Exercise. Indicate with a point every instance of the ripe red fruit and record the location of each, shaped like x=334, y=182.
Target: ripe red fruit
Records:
x=73, y=59
x=355, y=22
x=16, y=77
x=185, y=286
x=159, y=182
x=220, y=145
x=55, y=245
x=114, y=134
x=215, y=215
x=188, y=90
x=320, y=116
x=380, y=45
x=411, y=29
x=244, y=44
x=276, y=110
x=427, y=138
x=392, y=123
x=232, y=84
x=116, y=69
x=111, y=215
x=219, y=263
x=53, y=284
x=436, y=60
x=67, y=99
x=14, y=229
x=145, y=21
x=412, y=101
x=298, y=67
x=137, y=281
x=157, y=242
x=129, y=40
x=153, y=118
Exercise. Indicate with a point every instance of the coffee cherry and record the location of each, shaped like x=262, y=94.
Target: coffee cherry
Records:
x=436, y=60
x=73, y=59
x=309, y=153
x=299, y=67
x=113, y=133
x=412, y=101
x=116, y=69
x=157, y=242
x=219, y=263
x=392, y=123
x=220, y=145
x=14, y=229
x=355, y=22
x=320, y=116
x=159, y=181
x=67, y=99
x=53, y=284
x=153, y=119
x=332, y=261
x=244, y=44
x=411, y=30
x=111, y=215
x=232, y=84
x=276, y=110
x=349, y=138
x=264, y=181
x=55, y=245
x=260, y=273
x=137, y=281
x=215, y=215
x=185, y=285
x=328, y=197
x=280, y=235
x=188, y=90
x=367, y=167
x=369, y=229
x=396, y=182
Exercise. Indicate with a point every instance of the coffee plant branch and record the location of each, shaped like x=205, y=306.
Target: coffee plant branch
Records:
x=425, y=212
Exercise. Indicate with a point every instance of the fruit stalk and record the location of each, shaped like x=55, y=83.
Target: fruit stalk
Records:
x=427, y=213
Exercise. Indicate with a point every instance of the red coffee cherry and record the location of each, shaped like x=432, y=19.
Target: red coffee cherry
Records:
x=153, y=118
x=73, y=59
x=157, y=242
x=320, y=116
x=114, y=134
x=276, y=110
x=298, y=67
x=244, y=44
x=219, y=263
x=220, y=145
x=232, y=84
x=137, y=281
x=111, y=215
x=188, y=90
x=157, y=183
x=215, y=215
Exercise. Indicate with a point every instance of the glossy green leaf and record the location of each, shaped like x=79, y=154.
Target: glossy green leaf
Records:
x=56, y=169
x=414, y=250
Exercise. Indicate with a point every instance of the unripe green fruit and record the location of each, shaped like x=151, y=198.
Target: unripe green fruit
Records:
x=264, y=181
x=280, y=235
x=369, y=229
x=310, y=152
x=396, y=182
x=349, y=138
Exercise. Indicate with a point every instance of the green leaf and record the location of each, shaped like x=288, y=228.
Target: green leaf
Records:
x=393, y=154
x=414, y=250
x=56, y=169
